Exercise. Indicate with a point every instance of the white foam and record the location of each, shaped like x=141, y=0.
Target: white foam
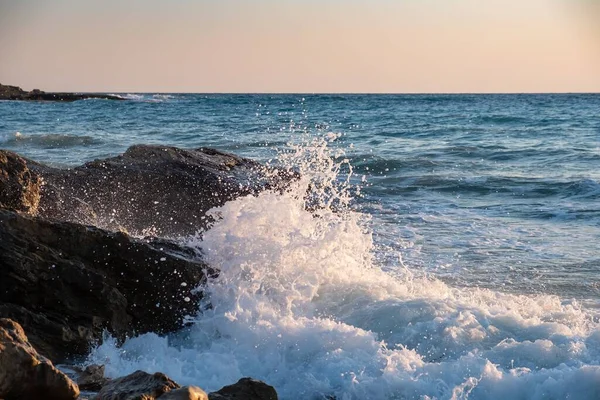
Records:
x=302, y=304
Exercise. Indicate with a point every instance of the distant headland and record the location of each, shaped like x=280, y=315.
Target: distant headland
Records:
x=16, y=93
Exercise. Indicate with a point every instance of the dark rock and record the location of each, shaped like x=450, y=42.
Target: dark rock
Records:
x=66, y=283
x=185, y=393
x=152, y=190
x=16, y=93
x=246, y=389
x=137, y=386
x=19, y=187
x=24, y=374
x=92, y=378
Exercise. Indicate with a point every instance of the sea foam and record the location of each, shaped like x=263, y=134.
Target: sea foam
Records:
x=303, y=303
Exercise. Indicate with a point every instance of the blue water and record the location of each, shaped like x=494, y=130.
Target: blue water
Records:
x=498, y=192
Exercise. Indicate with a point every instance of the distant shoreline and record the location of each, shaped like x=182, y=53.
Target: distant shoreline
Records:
x=8, y=92
x=114, y=94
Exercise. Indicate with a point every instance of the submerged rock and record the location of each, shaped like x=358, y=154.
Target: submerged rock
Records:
x=137, y=386
x=66, y=283
x=8, y=92
x=152, y=190
x=24, y=374
x=247, y=389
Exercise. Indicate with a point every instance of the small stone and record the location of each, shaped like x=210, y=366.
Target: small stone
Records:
x=185, y=393
x=247, y=389
x=92, y=378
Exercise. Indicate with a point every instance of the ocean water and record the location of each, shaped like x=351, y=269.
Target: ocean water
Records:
x=454, y=253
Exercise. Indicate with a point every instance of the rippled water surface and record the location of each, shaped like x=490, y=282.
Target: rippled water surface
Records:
x=488, y=190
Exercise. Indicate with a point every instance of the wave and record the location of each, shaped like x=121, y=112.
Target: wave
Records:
x=129, y=96
x=522, y=186
x=303, y=303
x=502, y=119
x=49, y=140
x=143, y=97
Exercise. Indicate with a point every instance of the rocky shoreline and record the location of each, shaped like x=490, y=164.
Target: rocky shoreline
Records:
x=83, y=251
x=8, y=92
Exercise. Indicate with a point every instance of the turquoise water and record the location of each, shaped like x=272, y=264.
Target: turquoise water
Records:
x=459, y=194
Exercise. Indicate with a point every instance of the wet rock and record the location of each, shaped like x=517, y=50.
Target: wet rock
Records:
x=247, y=389
x=24, y=374
x=66, y=283
x=92, y=378
x=137, y=386
x=19, y=186
x=152, y=190
x=185, y=393
x=8, y=92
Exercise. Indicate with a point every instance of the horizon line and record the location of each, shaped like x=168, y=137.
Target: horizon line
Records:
x=330, y=93
x=120, y=91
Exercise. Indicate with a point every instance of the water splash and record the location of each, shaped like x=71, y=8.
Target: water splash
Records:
x=302, y=304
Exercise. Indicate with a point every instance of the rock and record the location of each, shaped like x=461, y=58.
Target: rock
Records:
x=157, y=190
x=185, y=393
x=92, y=378
x=246, y=389
x=66, y=283
x=16, y=93
x=24, y=374
x=19, y=187
x=137, y=386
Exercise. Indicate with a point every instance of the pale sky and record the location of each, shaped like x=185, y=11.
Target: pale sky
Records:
x=301, y=46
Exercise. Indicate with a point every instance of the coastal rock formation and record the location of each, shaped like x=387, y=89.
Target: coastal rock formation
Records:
x=139, y=385
x=8, y=92
x=152, y=190
x=245, y=388
x=69, y=272
x=66, y=283
x=24, y=374
x=19, y=187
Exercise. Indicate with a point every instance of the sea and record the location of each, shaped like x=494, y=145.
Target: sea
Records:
x=437, y=246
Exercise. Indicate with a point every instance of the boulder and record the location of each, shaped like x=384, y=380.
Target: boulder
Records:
x=24, y=374
x=137, y=386
x=68, y=268
x=66, y=283
x=185, y=393
x=246, y=389
x=19, y=186
x=152, y=190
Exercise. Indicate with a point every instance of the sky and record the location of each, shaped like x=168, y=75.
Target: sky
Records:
x=301, y=46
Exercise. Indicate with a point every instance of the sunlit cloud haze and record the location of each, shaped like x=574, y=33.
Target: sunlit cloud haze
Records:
x=302, y=45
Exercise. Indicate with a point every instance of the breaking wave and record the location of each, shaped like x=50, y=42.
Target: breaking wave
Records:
x=304, y=302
